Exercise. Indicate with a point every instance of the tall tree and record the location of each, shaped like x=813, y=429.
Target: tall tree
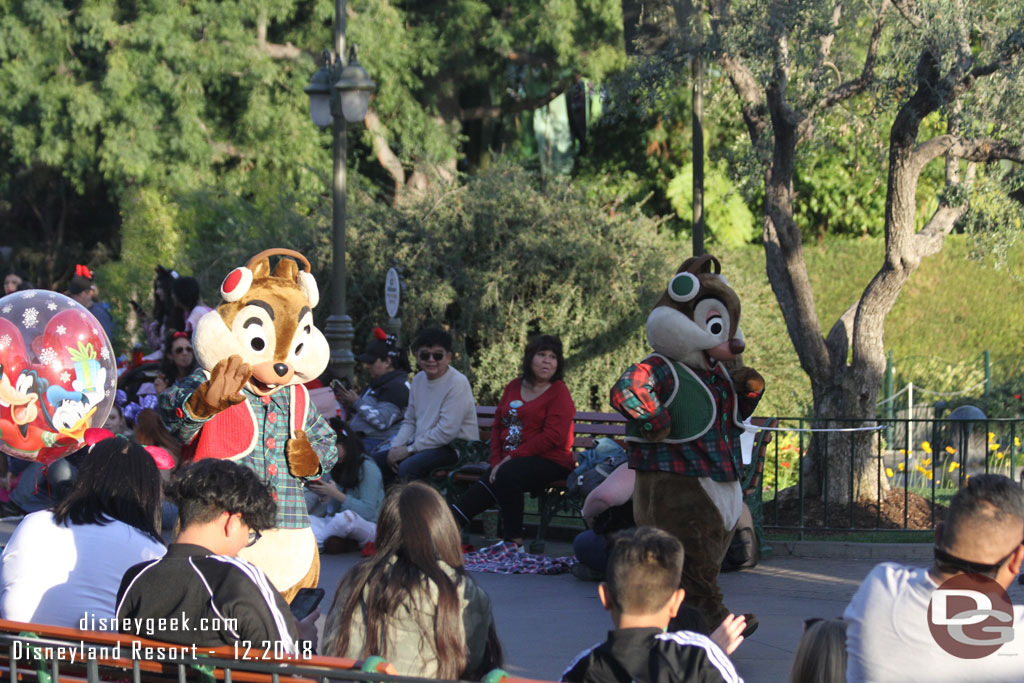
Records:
x=445, y=64
x=946, y=76
x=103, y=99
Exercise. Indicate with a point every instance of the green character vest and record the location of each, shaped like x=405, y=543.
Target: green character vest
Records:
x=691, y=407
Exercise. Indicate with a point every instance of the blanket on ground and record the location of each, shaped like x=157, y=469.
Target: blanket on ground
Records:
x=507, y=558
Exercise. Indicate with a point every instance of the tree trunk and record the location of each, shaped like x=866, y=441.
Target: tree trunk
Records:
x=847, y=366
x=845, y=466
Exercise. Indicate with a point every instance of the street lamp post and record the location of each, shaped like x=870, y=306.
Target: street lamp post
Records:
x=339, y=93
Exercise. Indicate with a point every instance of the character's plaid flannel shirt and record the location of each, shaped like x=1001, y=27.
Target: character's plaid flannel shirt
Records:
x=639, y=395
x=267, y=459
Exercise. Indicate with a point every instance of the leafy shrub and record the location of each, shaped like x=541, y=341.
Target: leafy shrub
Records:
x=497, y=259
x=502, y=257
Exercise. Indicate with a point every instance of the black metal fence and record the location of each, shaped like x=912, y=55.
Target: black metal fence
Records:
x=915, y=466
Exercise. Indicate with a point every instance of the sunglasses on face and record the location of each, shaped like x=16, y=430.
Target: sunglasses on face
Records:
x=182, y=349
x=425, y=356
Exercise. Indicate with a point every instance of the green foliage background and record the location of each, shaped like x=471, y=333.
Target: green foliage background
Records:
x=507, y=254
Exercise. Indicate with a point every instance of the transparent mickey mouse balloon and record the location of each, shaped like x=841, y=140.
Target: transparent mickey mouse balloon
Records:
x=58, y=375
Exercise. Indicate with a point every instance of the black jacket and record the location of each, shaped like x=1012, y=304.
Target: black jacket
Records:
x=392, y=387
x=646, y=655
x=193, y=596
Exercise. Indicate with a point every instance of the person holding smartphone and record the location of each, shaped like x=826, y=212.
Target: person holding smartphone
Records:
x=377, y=413
x=441, y=409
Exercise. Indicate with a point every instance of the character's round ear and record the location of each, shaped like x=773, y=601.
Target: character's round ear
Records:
x=307, y=283
x=683, y=287
x=236, y=284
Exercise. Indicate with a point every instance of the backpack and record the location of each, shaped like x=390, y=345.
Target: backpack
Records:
x=595, y=464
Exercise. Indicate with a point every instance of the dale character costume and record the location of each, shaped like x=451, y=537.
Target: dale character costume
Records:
x=247, y=402
x=684, y=410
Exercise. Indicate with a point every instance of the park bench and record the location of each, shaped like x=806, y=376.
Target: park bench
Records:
x=554, y=499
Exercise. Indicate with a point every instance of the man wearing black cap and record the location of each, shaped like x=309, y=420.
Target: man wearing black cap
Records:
x=377, y=413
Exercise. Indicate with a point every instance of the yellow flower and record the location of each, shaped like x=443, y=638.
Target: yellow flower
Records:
x=926, y=462
x=1016, y=441
x=903, y=451
x=1000, y=455
x=950, y=450
x=993, y=447
x=953, y=466
x=923, y=470
x=900, y=467
x=926, y=447
x=991, y=436
x=967, y=480
x=928, y=474
x=888, y=472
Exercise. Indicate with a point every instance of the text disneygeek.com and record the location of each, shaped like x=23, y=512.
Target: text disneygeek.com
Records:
x=150, y=626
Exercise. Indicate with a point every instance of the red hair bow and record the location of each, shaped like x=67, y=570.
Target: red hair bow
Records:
x=380, y=334
x=83, y=271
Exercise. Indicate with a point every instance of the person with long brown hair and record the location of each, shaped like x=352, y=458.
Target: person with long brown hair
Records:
x=405, y=603
x=150, y=431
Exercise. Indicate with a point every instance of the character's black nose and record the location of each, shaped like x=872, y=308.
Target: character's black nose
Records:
x=736, y=346
x=282, y=369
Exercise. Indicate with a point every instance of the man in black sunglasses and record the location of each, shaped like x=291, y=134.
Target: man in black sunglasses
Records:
x=200, y=593
x=894, y=616
x=441, y=409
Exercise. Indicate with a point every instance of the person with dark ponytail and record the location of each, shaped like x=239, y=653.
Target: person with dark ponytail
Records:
x=405, y=603
x=377, y=413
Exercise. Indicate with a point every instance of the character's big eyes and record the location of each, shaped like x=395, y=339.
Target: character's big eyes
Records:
x=23, y=384
x=714, y=324
x=306, y=330
x=254, y=336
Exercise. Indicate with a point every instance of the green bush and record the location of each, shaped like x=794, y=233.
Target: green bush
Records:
x=502, y=257
x=497, y=258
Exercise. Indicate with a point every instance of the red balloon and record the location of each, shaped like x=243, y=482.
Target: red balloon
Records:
x=57, y=375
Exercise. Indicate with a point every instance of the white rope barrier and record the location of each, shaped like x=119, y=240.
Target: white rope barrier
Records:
x=894, y=396
x=754, y=428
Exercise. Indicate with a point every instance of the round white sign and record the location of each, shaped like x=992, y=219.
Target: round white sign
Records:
x=392, y=292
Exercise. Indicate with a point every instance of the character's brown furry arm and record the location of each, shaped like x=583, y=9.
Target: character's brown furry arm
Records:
x=749, y=386
x=302, y=459
x=222, y=390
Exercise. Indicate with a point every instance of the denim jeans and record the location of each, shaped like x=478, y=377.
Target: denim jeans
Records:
x=418, y=465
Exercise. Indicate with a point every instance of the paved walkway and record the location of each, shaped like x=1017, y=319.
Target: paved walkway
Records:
x=543, y=621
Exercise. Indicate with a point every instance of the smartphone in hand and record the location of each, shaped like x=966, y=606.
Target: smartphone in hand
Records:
x=305, y=601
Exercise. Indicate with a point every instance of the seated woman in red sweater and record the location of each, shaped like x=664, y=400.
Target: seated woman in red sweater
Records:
x=531, y=439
